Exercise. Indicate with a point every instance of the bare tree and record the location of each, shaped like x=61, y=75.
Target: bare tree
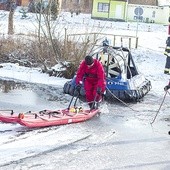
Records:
x=11, y=8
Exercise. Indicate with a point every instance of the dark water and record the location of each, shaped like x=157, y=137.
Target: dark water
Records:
x=35, y=96
x=8, y=85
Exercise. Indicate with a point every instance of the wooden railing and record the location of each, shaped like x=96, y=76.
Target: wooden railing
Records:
x=117, y=40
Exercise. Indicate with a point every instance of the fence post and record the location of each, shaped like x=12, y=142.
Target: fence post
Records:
x=98, y=24
x=129, y=43
x=121, y=40
x=65, y=36
x=94, y=37
x=136, y=46
x=114, y=40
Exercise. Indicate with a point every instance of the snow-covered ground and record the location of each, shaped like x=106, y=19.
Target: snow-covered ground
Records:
x=120, y=138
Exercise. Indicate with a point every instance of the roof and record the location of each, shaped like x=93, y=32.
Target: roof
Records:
x=144, y=2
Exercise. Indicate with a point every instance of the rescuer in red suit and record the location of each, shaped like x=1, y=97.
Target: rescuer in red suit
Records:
x=92, y=74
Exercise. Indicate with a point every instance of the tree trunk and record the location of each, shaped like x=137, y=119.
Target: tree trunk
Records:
x=10, y=22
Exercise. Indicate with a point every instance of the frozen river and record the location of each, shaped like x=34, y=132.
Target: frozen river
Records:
x=120, y=138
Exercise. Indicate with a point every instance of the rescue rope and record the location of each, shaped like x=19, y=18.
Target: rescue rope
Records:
x=120, y=100
x=137, y=110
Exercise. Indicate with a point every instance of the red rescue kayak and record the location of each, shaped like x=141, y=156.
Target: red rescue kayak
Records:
x=49, y=118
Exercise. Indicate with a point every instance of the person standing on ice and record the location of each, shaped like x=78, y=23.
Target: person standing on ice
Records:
x=167, y=52
x=92, y=74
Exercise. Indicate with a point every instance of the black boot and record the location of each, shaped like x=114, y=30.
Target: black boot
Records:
x=97, y=105
x=92, y=105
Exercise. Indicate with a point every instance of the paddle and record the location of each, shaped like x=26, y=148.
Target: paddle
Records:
x=76, y=100
x=73, y=98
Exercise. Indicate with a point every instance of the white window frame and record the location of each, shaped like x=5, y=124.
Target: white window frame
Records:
x=103, y=7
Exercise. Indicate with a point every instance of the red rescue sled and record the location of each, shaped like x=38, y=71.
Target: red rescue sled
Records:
x=48, y=118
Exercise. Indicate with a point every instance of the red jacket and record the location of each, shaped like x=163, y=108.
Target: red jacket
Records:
x=94, y=74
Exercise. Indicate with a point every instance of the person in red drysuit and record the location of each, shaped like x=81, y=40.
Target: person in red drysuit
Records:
x=92, y=74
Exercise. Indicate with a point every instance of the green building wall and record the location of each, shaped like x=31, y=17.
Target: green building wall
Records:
x=117, y=10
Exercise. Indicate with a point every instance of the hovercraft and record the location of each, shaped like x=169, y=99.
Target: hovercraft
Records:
x=124, y=82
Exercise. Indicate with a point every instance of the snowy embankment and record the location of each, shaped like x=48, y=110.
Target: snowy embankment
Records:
x=32, y=75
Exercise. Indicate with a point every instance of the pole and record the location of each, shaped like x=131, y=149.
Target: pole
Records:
x=126, y=12
x=137, y=22
x=109, y=10
x=160, y=107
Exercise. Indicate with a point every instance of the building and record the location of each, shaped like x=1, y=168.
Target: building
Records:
x=148, y=11
x=83, y=6
x=144, y=2
x=109, y=9
x=24, y=3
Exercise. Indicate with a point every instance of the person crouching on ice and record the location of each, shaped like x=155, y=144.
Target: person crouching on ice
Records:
x=92, y=74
